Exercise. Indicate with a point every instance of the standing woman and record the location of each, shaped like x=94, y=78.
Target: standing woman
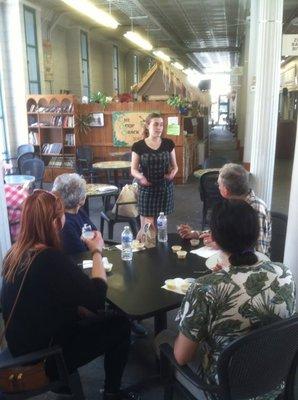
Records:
x=154, y=165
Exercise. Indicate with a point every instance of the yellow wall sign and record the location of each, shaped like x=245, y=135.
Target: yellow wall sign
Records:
x=127, y=127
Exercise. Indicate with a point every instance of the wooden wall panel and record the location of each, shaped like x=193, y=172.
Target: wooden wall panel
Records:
x=101, y=138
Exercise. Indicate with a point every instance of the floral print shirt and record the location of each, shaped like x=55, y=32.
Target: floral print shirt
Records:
x=224, y=305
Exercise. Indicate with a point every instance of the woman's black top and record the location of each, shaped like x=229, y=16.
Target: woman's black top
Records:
x=155, y=164
x=54, y=288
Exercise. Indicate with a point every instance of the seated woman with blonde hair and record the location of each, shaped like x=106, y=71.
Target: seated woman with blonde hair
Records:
x=53, y=290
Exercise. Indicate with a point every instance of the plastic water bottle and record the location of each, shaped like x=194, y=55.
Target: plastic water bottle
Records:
x=126, y=242
x=162, y=228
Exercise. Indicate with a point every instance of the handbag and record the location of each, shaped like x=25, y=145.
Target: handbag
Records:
x=128, y=195
x=24, y=377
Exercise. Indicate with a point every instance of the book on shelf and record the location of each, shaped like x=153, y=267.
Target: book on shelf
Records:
x=69, y=162
x=69, y=139
x=68, y=121
x=51, y=148
x=32, y=138
x=55, y=162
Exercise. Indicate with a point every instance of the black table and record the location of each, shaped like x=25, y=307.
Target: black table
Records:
x=99, y=190
x=135, y=287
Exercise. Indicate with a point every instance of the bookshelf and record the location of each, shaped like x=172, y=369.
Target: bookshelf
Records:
x=51, y=129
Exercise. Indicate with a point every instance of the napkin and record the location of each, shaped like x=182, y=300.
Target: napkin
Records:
x=175, y=290
x=87, y=264
x=205, y=252
x=119, y=246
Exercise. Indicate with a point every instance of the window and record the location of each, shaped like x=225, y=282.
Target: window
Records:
x=85, y=64
x=31, y=50
x=3, y=143
x=135, y=69
x=115, y=70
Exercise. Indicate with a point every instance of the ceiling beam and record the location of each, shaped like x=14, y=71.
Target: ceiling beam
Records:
x=179, y=45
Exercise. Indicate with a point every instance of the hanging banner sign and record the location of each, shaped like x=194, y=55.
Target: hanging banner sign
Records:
x=127, y=127
x=290, y=45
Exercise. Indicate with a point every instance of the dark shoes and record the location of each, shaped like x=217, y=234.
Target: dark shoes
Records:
x=122, y=395
x=137, y=329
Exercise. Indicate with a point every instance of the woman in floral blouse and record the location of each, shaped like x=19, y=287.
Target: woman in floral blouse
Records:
x=242, y=292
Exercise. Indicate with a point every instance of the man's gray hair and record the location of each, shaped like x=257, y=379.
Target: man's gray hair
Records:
x=235, y=178
x=71, y=188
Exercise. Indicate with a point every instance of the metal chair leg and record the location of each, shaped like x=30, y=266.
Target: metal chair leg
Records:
x=111, y=230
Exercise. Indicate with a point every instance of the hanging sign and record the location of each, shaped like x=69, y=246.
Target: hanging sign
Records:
x=127, y=127
x=290, y=45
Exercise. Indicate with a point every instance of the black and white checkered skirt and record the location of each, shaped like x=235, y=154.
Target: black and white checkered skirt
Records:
x=154, y=199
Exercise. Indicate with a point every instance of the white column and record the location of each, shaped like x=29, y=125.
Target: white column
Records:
x=291, y=248
x=266, y=97
x=251, y=76
x=4, y=231
x=14, y=70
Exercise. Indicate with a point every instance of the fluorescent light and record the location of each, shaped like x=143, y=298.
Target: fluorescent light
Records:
x=178, y=65
x=91, y=11
x=160, y=54
x=137, y=39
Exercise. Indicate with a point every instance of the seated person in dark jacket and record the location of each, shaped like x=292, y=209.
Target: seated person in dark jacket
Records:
x=72, y=190
x=56, y=297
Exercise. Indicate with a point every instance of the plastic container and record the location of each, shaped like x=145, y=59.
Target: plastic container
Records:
x=126, y=242
x=162, y=228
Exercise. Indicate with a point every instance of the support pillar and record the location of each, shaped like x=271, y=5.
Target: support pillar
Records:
x=291, y=248
x=4, y=231
x=266, y=97
x=251, y=76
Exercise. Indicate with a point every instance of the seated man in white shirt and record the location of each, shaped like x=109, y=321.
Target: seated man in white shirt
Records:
x=233, y=183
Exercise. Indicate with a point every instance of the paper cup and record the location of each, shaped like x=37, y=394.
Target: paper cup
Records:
x=176, y=248
x=181, y=254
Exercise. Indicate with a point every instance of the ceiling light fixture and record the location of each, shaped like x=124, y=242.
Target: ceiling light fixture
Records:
x=178, y=65
x=160, y=54
x=91, y=11
x=137, y=39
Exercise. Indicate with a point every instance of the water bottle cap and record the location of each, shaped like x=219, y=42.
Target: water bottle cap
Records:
x=162, y=213
x=126, y=227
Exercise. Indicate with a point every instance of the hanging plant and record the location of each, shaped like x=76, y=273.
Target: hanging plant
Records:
x=179, y=102
x=82, y=123
x=100, y=98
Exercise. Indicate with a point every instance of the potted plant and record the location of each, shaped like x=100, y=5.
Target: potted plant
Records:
x=82, y=123
x=100, y=98
x=180, y=103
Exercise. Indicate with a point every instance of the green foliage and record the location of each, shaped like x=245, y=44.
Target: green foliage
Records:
x=177, y=101
x=82, y=123
x=255, y=283
x=100, y=98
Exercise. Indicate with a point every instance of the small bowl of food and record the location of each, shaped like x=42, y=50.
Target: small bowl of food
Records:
x=176, y=248
x=170, y=283
x=181, y=254
x=195, y=242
